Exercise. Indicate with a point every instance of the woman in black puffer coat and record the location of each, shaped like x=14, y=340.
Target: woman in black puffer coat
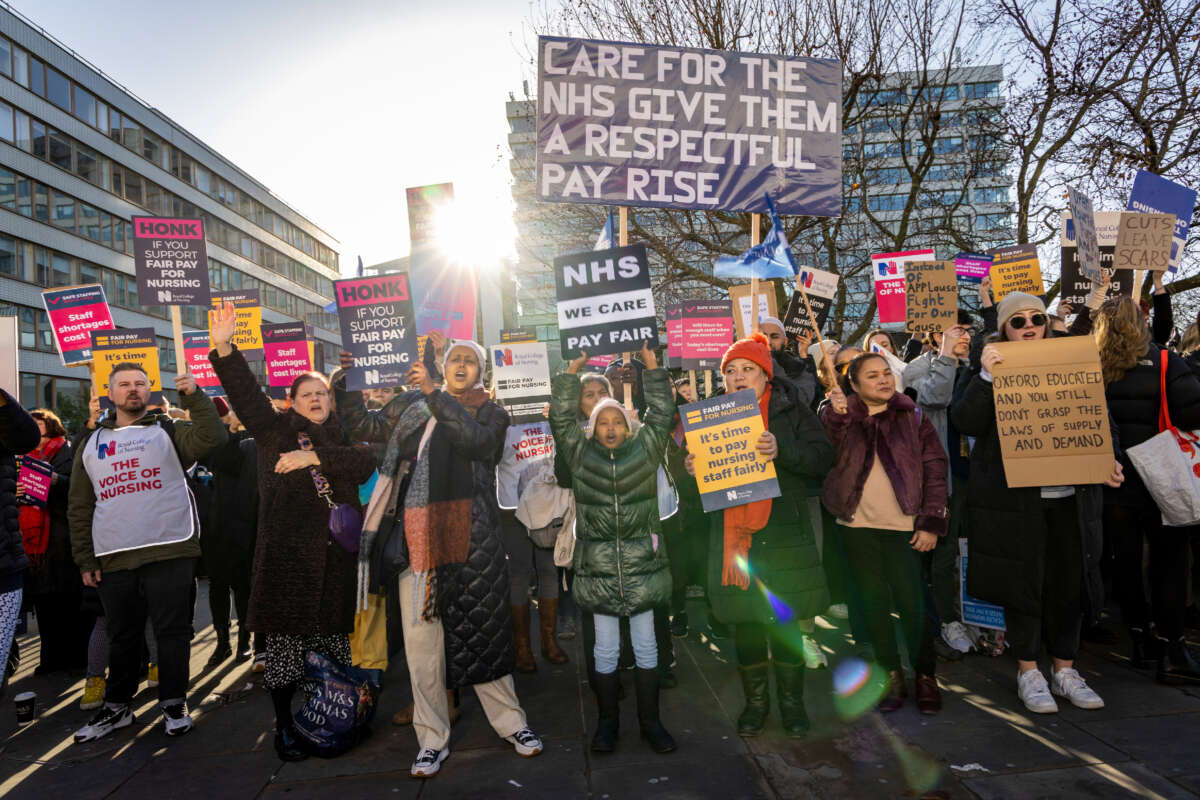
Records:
x=1132, y=367
x=18, y=435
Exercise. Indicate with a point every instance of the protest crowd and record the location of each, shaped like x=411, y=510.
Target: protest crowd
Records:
x=746, y=461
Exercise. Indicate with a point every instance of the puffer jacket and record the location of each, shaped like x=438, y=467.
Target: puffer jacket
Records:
x=18, y=435
x=784, y=554
x=619, y=570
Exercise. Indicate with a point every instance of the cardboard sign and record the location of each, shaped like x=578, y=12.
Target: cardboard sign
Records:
x=526, y=447
x=136, y=345
x=513, y=335
x=1051, y=413
x=196, y=348
x=247, y=331
x=974, y=611
x=673, y=127
x=286, y=352
x=930, y=296
x=722, y=432
x=521, y=377
x=674, y=323
x=1153, y=193
x=972, y=267
x=1080, y=207
x=34, y=479
x=888, y=271
x=1145, y=241
x=605, y=305
x=376, y=316
x=821, y=288
x=1074, y=288
x=1016, y=269
x=171, y=261
x=74, y=313
x=743, y=319
x=707, y=333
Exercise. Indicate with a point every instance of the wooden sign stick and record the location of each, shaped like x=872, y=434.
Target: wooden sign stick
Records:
x=626, y=357
x=755, y=224
x=177, y=332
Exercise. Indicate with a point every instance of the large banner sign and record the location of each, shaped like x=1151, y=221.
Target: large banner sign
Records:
x=1074, y=288
x=171, y=261
x=1051, y=413
x=376, y=316
x=288, y=354
x=1153, y=193
x=821, y=288
x=675, y=127
x=888, y=271
x=521, y=375
x=247, y=332
x=135, y=345
x=723, y=434
x=605, y=305
x=74, y=313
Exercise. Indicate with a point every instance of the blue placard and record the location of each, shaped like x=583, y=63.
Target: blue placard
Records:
x=974, y=611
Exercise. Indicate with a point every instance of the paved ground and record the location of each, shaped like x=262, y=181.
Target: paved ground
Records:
x=1144, y=743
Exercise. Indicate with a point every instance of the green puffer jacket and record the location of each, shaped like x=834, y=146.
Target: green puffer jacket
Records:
x=618, y=570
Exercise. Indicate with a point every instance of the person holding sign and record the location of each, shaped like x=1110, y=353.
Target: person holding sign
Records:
x=135, y=536
x=1133, y=368
x=1034, y=550
x=439, y=473
x=302, y=591
x=18, y=435
x=770, y=544
x=800, y=370
x=621, y=567
x=888, y=493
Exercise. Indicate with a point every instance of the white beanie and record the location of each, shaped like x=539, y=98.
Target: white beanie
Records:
x=608, y=402
x=473, y=346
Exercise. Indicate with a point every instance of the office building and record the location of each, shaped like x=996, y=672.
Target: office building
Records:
x=79, y=156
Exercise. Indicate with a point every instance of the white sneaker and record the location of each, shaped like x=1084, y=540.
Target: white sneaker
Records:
x=1034, y=693
x=955, y=635
x=176, y=719
x=106, y=720
x=429, y=762
x=526, y=743
x=814, y=656
x=838, y=611
x=1068, y=683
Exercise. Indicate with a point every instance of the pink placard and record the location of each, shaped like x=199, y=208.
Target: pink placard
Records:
x=286, y=352
x=888, y=272
x=196, y=350
x=74, y=313
x=167, y=228
x=34, y=479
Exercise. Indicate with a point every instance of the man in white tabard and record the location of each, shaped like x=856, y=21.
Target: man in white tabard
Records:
x=135, y=536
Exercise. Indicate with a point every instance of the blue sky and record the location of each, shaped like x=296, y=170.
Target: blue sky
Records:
x=335, y=106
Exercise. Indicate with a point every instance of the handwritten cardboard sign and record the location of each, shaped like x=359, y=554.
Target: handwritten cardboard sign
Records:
x=743, y=319
x=1051, y=413
x=1016, y=269
x=1080, y=207
x=1144, y=241
x=722, y=432
x=931, y=295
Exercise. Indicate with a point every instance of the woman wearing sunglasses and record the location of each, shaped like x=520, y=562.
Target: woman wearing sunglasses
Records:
x=1034, y=550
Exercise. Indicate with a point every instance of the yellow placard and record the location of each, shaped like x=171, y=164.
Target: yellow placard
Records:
x=1016, y=269
x=247, y=332
x=135, y=345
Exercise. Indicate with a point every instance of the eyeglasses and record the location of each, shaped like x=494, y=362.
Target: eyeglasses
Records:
x=1037, y=320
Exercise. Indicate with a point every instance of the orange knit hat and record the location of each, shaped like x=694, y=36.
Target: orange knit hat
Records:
x=754, y=347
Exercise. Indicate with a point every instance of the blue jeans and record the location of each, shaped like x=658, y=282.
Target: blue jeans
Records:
x=608, y=641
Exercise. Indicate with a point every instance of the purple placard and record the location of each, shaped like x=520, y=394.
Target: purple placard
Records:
x=972, y=267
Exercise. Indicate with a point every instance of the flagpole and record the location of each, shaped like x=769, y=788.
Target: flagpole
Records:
x=755, y=225
x=626, y=358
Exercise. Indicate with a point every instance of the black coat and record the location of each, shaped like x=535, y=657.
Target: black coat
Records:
x=57, y=572
x=231, y=534
x=784, y=553
x=18, y=435
x=303, y=582
x=1007, y=525
x=1133, y=404
x=477, y=621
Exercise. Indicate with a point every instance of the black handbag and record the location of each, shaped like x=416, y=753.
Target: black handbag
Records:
x=389, y=555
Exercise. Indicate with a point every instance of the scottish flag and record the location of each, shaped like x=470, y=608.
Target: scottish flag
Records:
x=770, y=259
x=607, y=238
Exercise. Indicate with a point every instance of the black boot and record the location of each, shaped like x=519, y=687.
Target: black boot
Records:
x=1143, y=647
x=1176, y=665
x=242, y=653
x=605, y=687
x=646, y=681
x=222, y=652
x=756, y=686
x=789, y=687
x=286, y=745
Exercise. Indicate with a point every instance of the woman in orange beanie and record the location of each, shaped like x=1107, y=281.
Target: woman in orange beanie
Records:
x=764, y=568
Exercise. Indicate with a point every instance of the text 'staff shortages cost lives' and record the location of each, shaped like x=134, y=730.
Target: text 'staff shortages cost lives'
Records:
x=723, y=434
x=645, y=125
x=376, y=316
x=74, y=313
x=605, y=305
x=171, y=262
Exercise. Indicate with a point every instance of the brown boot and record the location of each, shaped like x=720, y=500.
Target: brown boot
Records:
x=405, y=715
x=520, y=615
x=547, y=624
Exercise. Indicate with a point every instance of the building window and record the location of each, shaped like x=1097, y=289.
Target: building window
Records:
x=991, y=194
x=89, y=222
x=21, y=66
x=37, y=77
x=23, y=139
x=991, y=222
x=978, y=91
x=60, y=150
x=5, y=57
x=7, y=132
x=8, y=189
x=85, y=105
x=63, y=214
x=948, y=144
x=58, y=89
x=87, y=164
x=9, y=262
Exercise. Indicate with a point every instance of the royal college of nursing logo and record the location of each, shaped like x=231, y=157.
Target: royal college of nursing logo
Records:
x=106, y=450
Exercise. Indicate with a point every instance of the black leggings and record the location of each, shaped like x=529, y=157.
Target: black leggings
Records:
x=751, y=640
x=1058, y=624
x=888, y=574
x=1129, y=527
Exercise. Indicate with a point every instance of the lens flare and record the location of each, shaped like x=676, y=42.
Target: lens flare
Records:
x=783, y=612
x=857, y=687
